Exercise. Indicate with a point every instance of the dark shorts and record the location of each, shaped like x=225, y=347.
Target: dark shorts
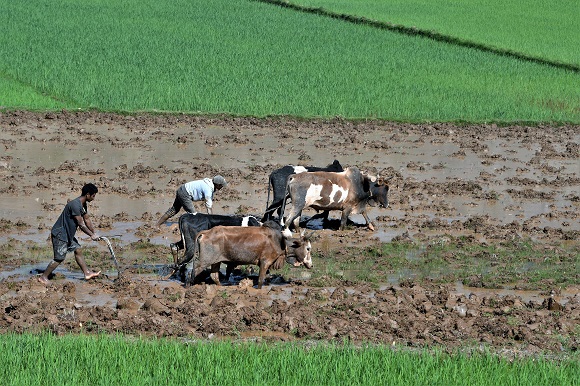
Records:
x=60, y=248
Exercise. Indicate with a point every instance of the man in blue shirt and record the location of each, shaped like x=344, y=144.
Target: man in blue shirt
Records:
x=198, y=190
x=63, y=233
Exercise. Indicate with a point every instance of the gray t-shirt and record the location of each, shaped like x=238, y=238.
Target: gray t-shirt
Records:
x=65, y=227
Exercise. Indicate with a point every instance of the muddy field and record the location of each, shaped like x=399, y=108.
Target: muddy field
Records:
x=490, y=184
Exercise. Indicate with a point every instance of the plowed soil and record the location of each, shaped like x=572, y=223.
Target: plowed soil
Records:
x=486, y=182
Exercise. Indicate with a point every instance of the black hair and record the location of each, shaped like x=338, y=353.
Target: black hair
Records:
x=89, y=189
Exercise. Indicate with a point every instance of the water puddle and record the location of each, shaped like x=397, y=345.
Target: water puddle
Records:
x=525, y=296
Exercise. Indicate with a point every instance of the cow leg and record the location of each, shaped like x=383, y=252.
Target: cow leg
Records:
x=186, y=261
x=215, y=273
x=296, y=223
x=279, y=211
x=192, y=275
x=175, y=248
x=229, y=270
x=262, y=273
x=270, y=211
x=174, y=254
x=293, y=219
x=369, y=223
x=344, y=219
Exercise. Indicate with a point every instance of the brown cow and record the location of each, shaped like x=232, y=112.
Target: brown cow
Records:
x=264, y=246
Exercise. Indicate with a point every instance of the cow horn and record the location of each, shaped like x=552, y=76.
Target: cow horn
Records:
x=369, y=176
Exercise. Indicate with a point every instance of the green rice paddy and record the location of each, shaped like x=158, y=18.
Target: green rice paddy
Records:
x=535, y=28
x=249, y=58
x=114, y=360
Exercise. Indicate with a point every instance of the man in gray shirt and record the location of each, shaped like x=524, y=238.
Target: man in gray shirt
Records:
x=63, y=232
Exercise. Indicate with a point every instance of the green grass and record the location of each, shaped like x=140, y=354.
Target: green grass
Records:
x=524, y=264
x=250, y=58
x=106, y=360
x=536, y=28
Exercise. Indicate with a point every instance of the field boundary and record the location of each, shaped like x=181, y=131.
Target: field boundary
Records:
x=413, y=31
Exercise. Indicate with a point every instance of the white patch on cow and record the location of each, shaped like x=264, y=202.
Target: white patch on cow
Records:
x=313, y=194
x=246, y=221
x=299, y=169
x=338, y=194
x=287, y=233
x=308, y=257
x=338, y=189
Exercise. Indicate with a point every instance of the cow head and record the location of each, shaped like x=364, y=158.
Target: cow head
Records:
x=298, y=251
x=378, y=190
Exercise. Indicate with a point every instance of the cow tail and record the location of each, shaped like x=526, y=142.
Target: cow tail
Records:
x=196, y=248
x=181, y=220
x=286, y=195
x=268, y=197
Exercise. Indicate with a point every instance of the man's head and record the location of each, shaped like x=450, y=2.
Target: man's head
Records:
x=90, y=190
x=219, y=182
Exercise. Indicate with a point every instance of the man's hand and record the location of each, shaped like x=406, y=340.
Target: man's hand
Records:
x=95, y=237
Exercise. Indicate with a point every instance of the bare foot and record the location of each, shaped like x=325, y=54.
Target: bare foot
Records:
x=91, y=274
x=43, y=280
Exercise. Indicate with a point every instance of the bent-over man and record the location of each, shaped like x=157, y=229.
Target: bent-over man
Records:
x=198, y=190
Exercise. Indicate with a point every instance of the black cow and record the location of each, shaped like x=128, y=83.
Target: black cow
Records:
x=349, y=191
x=191, y=224
x=279, y=178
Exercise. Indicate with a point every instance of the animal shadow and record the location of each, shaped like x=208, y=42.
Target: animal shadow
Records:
x=319, y=222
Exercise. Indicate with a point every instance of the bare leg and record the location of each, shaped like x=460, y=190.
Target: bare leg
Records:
x=81, y=262
x=51, y=267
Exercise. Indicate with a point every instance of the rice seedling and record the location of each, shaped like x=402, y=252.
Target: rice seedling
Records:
x=532, y=28
x=117, y=360
x=250, y=58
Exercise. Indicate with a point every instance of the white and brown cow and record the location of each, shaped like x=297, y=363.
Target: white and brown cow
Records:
x=265, y=246
x=279, y=178
x=349, y=191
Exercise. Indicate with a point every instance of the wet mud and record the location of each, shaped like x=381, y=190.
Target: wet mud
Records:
x=491, y=184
